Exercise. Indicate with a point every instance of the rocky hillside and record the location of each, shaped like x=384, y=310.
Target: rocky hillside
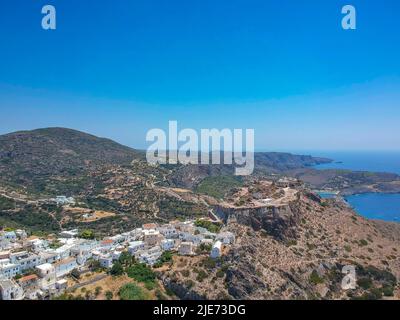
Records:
x=295, y=250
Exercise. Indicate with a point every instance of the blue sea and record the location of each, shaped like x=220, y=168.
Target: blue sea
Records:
x=361, y=161
x=371, y=205
x=377, y=205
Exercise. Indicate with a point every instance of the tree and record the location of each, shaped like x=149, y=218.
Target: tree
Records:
x=87, y=234
x=125, y=258
x=117, y=269
x=109, y=295
x=75, y=273
x=97, y=291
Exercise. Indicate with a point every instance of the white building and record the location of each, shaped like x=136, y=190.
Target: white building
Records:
x=47, y=274
x=186, y=248
x=61, y=285
x=167, y=244
x=49, y=256
x=106, y=261
x=135, y=246
x=69, y=233
x=151, y=237
x=226, y=237
x=168, y=232
x=65, y=266
x=25, y=260
x=216, y=250
x=10, y=236
x=190, y=237
x=10, y=290
x=61, y=200
x=150, y=256
x=21, y=234
x=9, y=270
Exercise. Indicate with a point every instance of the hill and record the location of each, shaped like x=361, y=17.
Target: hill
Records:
x=33, y=159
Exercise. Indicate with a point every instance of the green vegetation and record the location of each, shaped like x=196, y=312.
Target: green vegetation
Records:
x=166, y=257
x=209, y=225
x=6, y=203
x=126, y=259
x=315, y=278
x=66, y=296
x=218, y=186
x=363, y=243
x=117, y=269
x=109, y=295
x=204, y=248
x=201, y=275
x=87, y=234
x=132, y=291
x=364, y=283
x=347, y=248
x=30, y=218
x=97, y=291
x=142, y=273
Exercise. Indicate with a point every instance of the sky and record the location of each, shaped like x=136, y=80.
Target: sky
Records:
x=284, y=68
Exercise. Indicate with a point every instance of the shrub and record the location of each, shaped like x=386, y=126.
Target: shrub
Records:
x=87, y=234
x=141, y=272
x=117, y=269
x=315, y=278
x=210, y=226
x=109, y=295
x=388, y=291
x=364, y=283
x=132, y=291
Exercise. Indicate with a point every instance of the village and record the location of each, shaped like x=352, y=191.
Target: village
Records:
x=37, y=268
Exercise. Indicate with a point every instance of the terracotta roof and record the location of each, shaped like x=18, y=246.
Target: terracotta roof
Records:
x=28, y=278
x=149, y=226
x=107, y=241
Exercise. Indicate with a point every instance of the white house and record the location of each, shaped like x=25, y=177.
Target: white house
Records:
x=61, y=285
x=69, y=233
x=10, y=290
x=9, y=270
x=21, y=234
x=167, y=244
x=115, y=255
x=190, y=237
x=61, y=200
x=65, y=266
x=49, y=256
x=168, y=232
x=186, y=248
x=226, y=237
x=216, y=250
x=135, y=246
x=47, y=273
x=25, y=260
x=106, y=261
x=10, y=236
x=150, y=256
x=151, y=237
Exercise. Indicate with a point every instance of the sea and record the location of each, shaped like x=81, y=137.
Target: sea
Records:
x=382, y=206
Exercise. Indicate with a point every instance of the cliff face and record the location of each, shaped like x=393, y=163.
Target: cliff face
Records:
x=277, y=221
x=295, y=250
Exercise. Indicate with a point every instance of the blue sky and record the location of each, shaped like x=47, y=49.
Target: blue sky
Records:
x=285, y=68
